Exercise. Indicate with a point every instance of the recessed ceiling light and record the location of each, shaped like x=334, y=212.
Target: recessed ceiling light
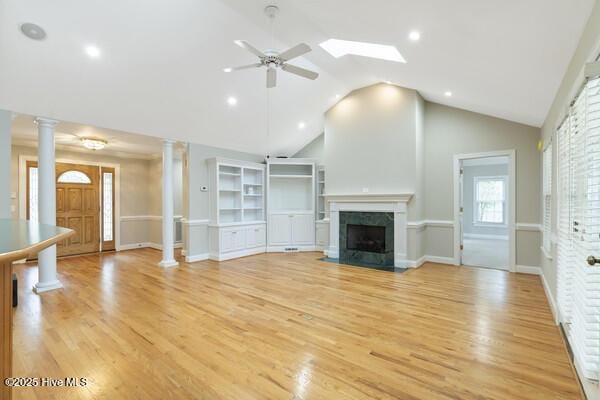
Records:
x=337, y=96
x=232, y=101
x=92, y=51
x=414, y=36
x=227, y=69
x=301, y=125
x=33, y=31
x=448, y=94
x=339, y=48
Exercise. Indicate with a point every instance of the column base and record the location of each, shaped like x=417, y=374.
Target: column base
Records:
x=168, y=263
x=47, y=286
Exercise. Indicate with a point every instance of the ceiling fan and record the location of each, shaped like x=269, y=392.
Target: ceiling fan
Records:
x=274, y=60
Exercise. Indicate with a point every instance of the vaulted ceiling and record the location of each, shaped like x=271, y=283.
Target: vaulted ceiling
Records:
x=160, y=72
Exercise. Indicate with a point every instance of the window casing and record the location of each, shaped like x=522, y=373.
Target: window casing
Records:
x=547, y=194
x=489, y=200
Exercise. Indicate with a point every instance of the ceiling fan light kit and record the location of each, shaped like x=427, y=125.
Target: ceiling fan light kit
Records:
x=273, y=60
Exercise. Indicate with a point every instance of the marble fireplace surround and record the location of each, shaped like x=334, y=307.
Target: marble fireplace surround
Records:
x=366, y=202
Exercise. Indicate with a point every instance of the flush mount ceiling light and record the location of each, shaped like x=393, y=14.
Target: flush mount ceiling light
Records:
x=93, y=143
x=92, y=51
x=339, y=48
x=33, y=31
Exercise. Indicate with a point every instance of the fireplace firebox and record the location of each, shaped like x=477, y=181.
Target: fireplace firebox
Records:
x=365, y=238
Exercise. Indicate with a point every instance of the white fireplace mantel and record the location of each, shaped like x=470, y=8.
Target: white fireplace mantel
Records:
x=370, y=202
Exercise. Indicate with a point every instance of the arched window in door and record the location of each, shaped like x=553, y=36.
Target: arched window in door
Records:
x=74, y=176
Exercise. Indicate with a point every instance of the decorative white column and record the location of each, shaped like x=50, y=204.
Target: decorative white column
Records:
x=168, y=259
x=47, y=279
x=5, y=150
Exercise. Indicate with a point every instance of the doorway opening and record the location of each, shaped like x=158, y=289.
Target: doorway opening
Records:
x=484, y=211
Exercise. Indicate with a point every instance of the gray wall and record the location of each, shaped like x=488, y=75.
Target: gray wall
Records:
x=469, y=175
x=587, y=51
x=314, y=149
x=195, y=202
x=5, y=141
x=367, y=143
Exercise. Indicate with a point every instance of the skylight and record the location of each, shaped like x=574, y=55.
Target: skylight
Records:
x=339, y=48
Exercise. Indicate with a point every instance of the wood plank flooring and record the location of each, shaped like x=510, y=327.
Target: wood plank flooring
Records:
x=287, y=326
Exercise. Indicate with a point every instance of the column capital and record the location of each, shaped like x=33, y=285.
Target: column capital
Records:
x=48, y=122
x=169, y=142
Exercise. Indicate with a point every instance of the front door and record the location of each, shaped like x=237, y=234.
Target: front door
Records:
x=77, y=206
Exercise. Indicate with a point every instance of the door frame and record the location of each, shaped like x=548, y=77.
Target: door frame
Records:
x=458, y=158
x=22, y=190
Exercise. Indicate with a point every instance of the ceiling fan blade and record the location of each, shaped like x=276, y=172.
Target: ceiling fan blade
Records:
x=305, y=73
x=230, y=69
x=245, y=45
x=295, y=51
x=271, y=77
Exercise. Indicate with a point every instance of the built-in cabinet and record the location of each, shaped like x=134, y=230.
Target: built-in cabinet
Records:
x=322, y=223
x=237, y=208
x=291, y=187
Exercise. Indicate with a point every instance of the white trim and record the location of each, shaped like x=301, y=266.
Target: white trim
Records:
x=546, y=253
x=146, y=217
x=428, y=259
x=143, y=245
x=368, y=197
x=286, y=249
x=526, y=269
x=525, y=226
x=196, y=258
x=195, y=222
x=433, y=223
x=550, y=298
x=22, y=188
x=237, y=254
x=511, y=202
x=484, y=236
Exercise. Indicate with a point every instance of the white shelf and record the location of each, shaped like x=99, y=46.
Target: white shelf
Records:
x=291, y=176
x=230, y=209
x=252, y=195
x=253, y=184
x=229, y=190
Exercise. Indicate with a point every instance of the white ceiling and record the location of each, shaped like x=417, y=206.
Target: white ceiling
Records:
x=160, y=72
x=68, y=137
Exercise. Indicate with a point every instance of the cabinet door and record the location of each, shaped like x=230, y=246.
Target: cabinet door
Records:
x=303, y=229
x=255, y=236
x=322, y=235
x=227, y=241
x=280, y=233
x=239, y=239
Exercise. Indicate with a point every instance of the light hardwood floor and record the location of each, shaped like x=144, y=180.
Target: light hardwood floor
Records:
x=287, y=326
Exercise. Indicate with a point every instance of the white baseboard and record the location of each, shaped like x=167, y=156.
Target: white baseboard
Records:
x=142, y=245
x=550, y=298
x=196, y=257
x=526, y=269
x=425, y=259
x=236, y=254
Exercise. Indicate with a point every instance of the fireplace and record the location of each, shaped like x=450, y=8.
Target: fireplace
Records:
x=367, y=238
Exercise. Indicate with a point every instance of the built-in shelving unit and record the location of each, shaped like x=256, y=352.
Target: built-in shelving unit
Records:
x=291, y=204
x=320, y=193
x=237, y=208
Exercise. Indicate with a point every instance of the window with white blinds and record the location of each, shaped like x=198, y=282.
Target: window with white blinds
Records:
x=547, y=192
x=579, y=228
